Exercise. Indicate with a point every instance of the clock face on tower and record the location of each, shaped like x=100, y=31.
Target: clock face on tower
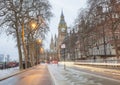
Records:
x=63, y=29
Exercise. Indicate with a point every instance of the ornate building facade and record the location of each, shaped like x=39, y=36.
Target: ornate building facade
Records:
x=56, y=42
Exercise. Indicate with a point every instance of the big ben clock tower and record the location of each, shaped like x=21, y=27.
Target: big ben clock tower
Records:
x=62, y=31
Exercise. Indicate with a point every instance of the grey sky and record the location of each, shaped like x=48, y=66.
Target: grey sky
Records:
x=8, y=46
x=70, y=9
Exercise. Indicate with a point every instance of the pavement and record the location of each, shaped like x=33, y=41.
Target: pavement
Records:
x=37, y=75
x=7, y=73
x=70, y=76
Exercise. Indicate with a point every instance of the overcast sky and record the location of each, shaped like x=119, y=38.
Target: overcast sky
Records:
x=70, y=9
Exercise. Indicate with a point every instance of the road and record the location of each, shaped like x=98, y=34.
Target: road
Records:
x=37, y=76
x=99, y=76
x=73, y=76
x=109, y=73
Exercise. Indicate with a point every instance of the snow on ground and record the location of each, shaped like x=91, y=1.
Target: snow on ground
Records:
x=6, y=72
x=74, y=77
x=70, y=76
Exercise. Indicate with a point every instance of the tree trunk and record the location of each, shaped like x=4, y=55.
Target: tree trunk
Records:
x=24, y=47
x=19, y=50
x=31, y=49
x=116, y=47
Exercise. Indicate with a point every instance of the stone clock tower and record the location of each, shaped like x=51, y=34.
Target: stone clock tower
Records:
x=55, y=44
x=62, y=29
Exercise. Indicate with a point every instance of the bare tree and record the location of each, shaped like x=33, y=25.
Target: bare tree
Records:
x=16, y=13
x=110, y=15
x=103, y=14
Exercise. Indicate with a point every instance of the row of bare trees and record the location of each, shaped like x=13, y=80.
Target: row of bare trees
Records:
x=15, y=16
x=97, y=22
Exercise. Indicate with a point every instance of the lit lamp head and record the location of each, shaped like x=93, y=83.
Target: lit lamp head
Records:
x=39, y=41
x=33, y=24
x=41, y=50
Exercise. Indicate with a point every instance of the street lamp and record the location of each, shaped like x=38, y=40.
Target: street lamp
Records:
x=42, y=52
x=38, y=47
x=63, y=47
x=76, y=53
x=33, y=25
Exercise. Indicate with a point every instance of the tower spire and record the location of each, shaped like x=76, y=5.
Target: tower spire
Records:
x=62, y=20
x=52, y=43
x=62, y=15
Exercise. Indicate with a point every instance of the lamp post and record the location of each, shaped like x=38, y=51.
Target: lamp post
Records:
x=77, y=53
x=33, y=24
x=63, y=47
x=38, y=47
x=42, y=52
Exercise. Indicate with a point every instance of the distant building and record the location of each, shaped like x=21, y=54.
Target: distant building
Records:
x=4, y=58
x=8, y=58
x=1, y=57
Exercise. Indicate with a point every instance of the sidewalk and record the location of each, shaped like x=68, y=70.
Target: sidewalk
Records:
x=6, y=73
x=37, y=75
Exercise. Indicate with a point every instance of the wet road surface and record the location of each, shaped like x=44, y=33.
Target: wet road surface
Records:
x=37, y=76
